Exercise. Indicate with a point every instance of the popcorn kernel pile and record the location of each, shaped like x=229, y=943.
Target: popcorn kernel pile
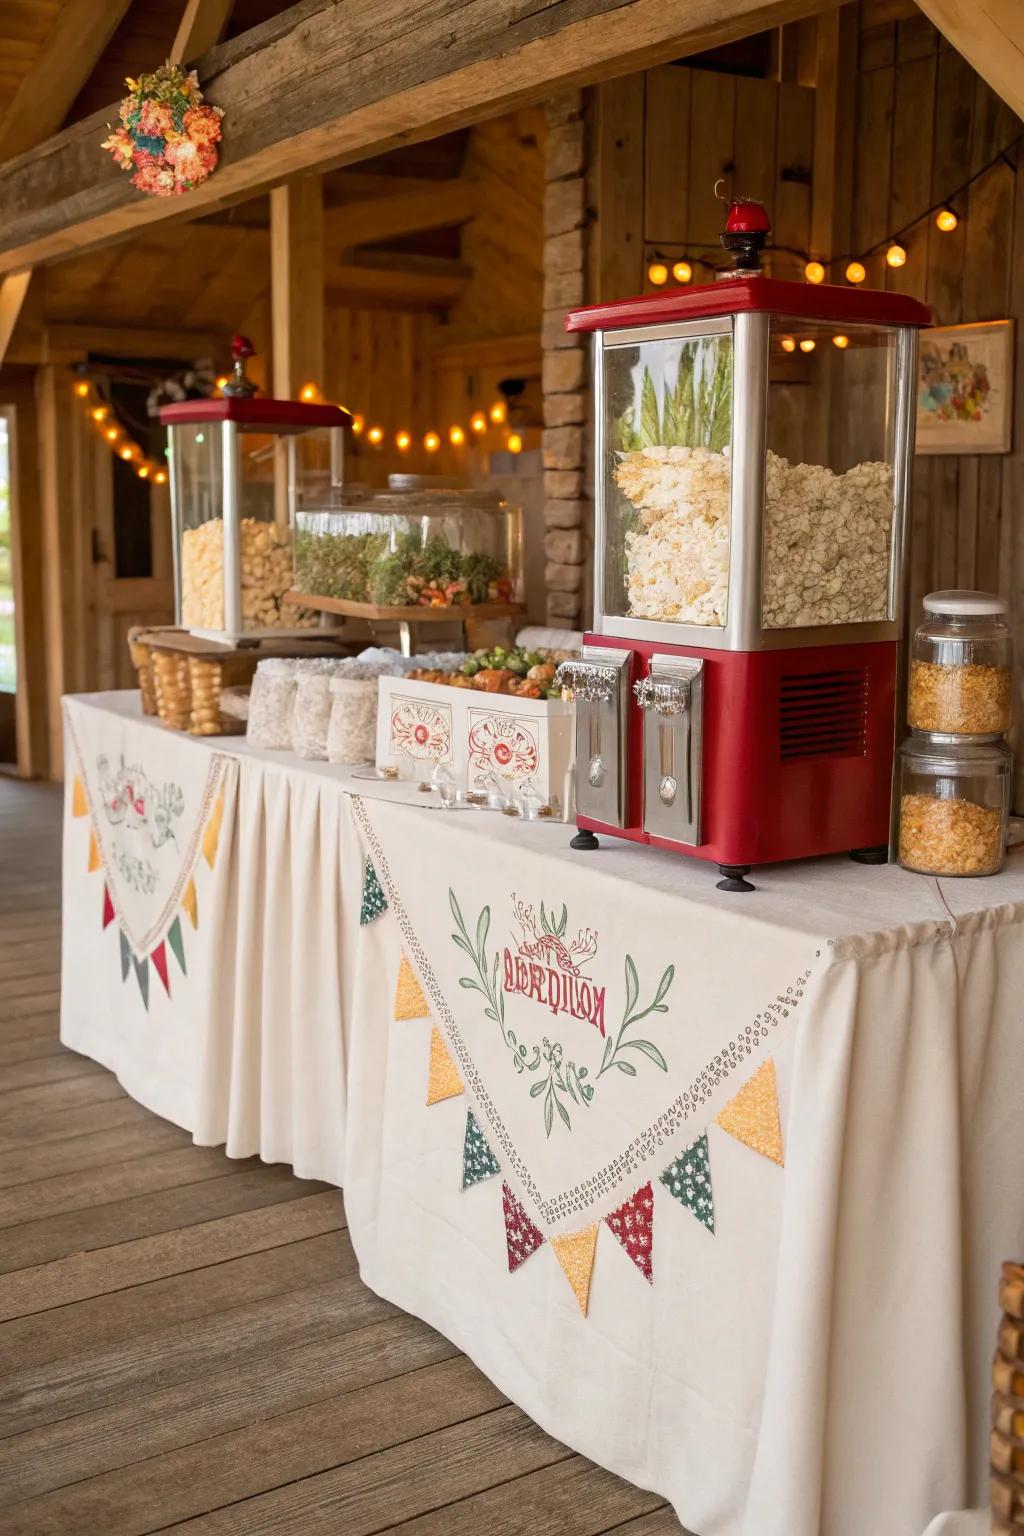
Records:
x=949, y=837
x=266, y=562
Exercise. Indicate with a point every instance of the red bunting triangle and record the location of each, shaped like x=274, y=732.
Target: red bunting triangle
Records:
x=633, y=1225
x=159, y=959
x=108, y=908
x=521, y=1236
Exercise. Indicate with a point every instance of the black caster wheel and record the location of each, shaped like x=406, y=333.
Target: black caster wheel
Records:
x=584, y=841
x=732, y=878
x=878, y=855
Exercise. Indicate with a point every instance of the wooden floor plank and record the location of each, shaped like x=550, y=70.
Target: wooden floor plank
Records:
x=92, y=1087
x=74, y=1154
x=49, y=1069
x=29, y=1048
x=48, y=1125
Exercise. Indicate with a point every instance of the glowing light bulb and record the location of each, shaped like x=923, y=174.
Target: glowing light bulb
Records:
x=402, y=441
x=478, y=421
x=814, y=272
x=143, y=471
x=856, y=272
x=112, y=434
x=946, y=220
x=128, y=453
x=456, y=436
x=515, y=443
x=309, y=393
x=375, y=435
x=682, y=271
x=81, y=389
x=657, y=273
x=222, y=381
x=358, y=423
x=160, y=477
x=896, y=256
x=498, y=412
x=807, y=345
x=431, y=442
x=200, y=437
x=841, y=342
x=99, y=413
x=787, y=344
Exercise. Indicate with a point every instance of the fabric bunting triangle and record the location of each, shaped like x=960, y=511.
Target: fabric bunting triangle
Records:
x=375, y=903
x=177, y=943
x=126, y=955
x=95, y=862
x=478, y=1161
x=753, y=1115
x=575, y=1253
x=633, y=1225
x=108, y=908
x=159, y=959
x=409, y=1000
x=521, y=1236
x=688, y=1180
x=189, y=904
x=211, y=832
x=142, y=977
x=79, y=804
x=444, y=1081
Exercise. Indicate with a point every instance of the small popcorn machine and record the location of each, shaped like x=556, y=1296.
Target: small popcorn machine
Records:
x=240, y=470
x=754, y=436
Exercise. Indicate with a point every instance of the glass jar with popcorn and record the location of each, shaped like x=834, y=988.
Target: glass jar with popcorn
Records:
x=240, y=468
x=954, y=801
x=961, y=666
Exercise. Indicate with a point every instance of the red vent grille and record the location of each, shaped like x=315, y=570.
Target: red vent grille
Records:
x=823, y=714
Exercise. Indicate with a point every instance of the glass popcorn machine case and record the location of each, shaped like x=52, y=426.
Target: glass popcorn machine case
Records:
x=736, y=699
x=241, y=469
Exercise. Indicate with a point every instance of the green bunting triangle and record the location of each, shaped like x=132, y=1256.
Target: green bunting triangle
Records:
x=688, y=1179
x=142, y=977
x=177, y=943
x=375, y=903
x=126, y=955
x=478, y=1161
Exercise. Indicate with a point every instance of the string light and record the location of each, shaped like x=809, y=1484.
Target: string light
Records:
x=807, y=345
x=143, y=471
x=856, y=272
x=787, y=344
x=515, y=443
x=456, y=436
x=682, y=271
x=222, y=381
x=478, y=421
x=657, y=273
x=402, y=441
x=309, y=393
x=160, y=477
x=841, y=342
x=358, y=423
x=112, y=434
x=814, y=272
x=498, y=412
x=946, y=220
x=431, y=442
x=99, y=413
x=82, y=389
x=896, y=256
x=375, y=436
x=128, y=452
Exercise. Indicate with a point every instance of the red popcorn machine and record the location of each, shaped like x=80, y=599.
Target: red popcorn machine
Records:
x=754, y=436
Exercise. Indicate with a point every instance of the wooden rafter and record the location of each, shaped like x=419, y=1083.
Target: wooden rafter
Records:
x=12, y=296
x=406, y=213
x=330, y=82
x=80, y=32
x=990, y=35
x=200, y=29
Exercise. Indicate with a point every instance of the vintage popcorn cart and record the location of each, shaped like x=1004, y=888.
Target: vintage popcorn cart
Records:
x=754, y=442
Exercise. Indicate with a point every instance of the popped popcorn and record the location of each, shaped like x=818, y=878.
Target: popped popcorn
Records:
x=826, y=539
x=266, y=562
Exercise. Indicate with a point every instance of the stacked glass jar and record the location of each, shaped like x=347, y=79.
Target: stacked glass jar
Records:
x=955, y=767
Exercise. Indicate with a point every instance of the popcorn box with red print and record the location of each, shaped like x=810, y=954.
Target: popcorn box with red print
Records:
x=485, y=738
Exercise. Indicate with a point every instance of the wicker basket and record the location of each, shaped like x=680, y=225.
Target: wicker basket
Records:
x=142, y=661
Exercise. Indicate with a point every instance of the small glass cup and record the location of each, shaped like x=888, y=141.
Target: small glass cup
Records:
x=447, y=786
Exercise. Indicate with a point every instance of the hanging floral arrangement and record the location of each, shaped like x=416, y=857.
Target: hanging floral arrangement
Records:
x=167, y=136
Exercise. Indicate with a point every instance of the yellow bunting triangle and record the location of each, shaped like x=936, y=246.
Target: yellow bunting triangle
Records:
x=95, y=862
x=753, y=1115
x=188, y=902
x=575, y=1253
x=79, y=804
x=409, y=1000
x=211, y=833
x=444, y=1081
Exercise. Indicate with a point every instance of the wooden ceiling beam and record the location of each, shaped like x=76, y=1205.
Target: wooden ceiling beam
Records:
x=401, y=282
x=376, y=219
x=80, y=32
x=13, y=289
x=57, y=342
x=990, y=35
x=331, y=82
x=200, y=29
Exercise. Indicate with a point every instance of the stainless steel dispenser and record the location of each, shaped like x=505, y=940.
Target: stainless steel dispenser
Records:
x=672, y=699
x=599, y=684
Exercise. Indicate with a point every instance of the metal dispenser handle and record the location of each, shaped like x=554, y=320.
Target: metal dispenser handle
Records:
x=598, y=683
x=672, y=698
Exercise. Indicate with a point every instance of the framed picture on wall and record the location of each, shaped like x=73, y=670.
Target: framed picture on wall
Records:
x=965, y=388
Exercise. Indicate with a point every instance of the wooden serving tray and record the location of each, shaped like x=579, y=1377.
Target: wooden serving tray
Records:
x=408, y=613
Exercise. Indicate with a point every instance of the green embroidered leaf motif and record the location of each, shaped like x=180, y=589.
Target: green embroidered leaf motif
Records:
x=538, y=1088
x=624, y=1066
x=544, y=919
x=549, y=1115
x=453, y=903
x=564, y=1114
x=664, y=984
x=483, y=924
x=632, y=986
x=609, y=1046
x=562, y=921
x=648, y=1050
x=126, y=954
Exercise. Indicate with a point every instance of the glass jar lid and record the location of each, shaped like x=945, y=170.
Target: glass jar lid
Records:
x=964, y=604
x=935, y=752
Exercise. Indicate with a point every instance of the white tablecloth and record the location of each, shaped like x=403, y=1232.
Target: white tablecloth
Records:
x=809, y=1360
